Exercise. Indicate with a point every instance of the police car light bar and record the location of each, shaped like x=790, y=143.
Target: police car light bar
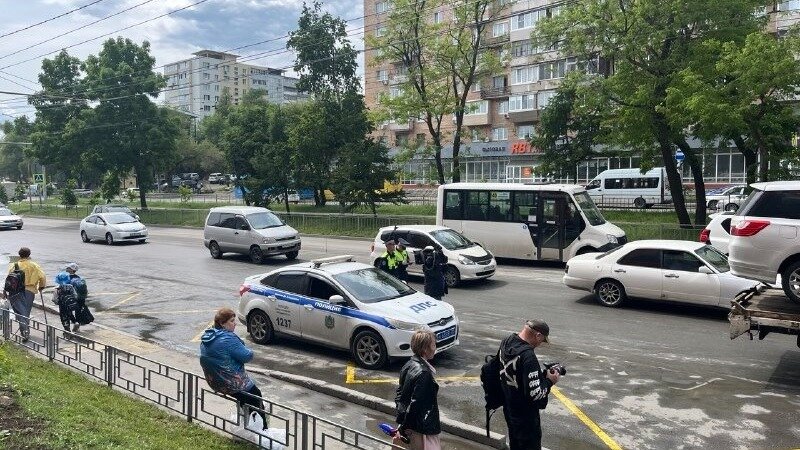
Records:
x=331, y=260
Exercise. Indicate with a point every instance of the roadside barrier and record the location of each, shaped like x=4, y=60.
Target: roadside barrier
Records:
x=184, y=393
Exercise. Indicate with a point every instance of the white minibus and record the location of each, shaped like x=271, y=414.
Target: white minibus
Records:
x=626, y=187
x=527, y=221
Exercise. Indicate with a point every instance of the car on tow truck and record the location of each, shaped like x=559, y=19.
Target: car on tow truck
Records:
x=344, y=304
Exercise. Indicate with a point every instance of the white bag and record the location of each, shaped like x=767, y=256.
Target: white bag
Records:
x=255, y=424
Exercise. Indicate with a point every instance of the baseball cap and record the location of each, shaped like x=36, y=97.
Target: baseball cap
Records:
x=540, y=326
x=72, y=266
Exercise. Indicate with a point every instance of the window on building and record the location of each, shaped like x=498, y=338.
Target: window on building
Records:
x=502, y=107
x=522, y=48
x=476, y=134
x=207, y=98
x=438, y=17
x=382, y=75
x=401, y=140
x=552, y=69
x=420, y=140
x=544, y=97
x=381, y=7
x=499, y=29
x=499, y=81
x=521, y=102
x=789, y=5
x=524, y=75
x=476, y=86
x=523, y=21
x=477, y=107
x=525, y=131
x=207, y=108
x=380, y=31
x=499, y=134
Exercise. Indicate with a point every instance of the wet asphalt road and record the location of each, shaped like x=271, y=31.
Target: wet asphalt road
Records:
x=648, y=375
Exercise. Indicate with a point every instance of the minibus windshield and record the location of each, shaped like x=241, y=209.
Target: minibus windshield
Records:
x=589, y=209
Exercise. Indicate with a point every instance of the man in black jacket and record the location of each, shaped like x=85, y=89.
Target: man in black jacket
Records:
x=525, y=385
x=416, y=399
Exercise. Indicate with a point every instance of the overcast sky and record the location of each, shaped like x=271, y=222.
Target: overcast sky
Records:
x=215, y=24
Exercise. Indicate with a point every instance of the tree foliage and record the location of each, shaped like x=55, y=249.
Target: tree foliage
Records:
x=440, y=63
x=650, y=43
x=13, y=158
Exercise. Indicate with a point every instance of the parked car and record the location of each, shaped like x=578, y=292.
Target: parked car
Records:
x=216, y=178
x=249, y=230
x=718, y=231
x=676, y=271
x=9, y=220
x=114, y=208
x=764, y=236
x=291, y=194
x=344, y=304
x=84, y=192
x=729, y=198
x=112, y=227
x=466, y=259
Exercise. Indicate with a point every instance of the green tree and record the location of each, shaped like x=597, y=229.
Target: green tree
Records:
x=740, y=95
x=185, y=193
x=272, y=164
x=568, y=129
x=109, y=186
x=68, y=197
x=3, y=195
x=59, y=106
x=443, y=62
x=649, y=43
x=14, y=163
x=126, y=130
x=360, y=174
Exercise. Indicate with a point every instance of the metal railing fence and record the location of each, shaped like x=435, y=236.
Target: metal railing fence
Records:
x=184, y=393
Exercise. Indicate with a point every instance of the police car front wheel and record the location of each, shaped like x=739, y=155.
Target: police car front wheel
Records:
x=369, y=350
x=260, y=327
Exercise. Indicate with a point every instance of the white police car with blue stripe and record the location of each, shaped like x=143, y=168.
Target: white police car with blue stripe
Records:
x=344, y=304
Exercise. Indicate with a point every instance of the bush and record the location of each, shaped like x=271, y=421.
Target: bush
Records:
x=185, y=193
x=3, y=195
x=68, y=197
x=19, y=193
x=132, y=195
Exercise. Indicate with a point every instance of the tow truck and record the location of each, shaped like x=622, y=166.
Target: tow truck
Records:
x=763, y=311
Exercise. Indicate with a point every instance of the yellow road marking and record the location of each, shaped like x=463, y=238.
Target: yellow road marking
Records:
x=111, y=293
x=125, y=300
x=350, y=378
x=199, y=335
x=585, y=419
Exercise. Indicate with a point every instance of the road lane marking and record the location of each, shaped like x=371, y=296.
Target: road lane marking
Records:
x=350, y=378
x=199, y=335
x=125, y=300
x=159, y=312
x=699, y=385
x=585, y=419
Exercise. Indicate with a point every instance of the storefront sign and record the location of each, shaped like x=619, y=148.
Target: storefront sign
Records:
x=524, y=148
x=491, y=148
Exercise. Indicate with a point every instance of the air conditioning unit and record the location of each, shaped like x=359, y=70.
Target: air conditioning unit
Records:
x=385, y=82
x=505, y=115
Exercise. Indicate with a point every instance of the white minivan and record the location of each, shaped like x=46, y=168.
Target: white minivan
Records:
x=630, y=187
x=249, y=230
x=466, y=260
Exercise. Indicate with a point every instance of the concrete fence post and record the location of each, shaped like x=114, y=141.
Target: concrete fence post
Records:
x=110, y=354
x=304, y=432
x=189, y=400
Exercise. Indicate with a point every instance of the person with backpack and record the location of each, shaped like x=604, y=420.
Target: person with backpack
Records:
x=525, y=384
x=66, y=297
x=24, y=279
x=433, y=264
x=416, y=399
x=82, y=314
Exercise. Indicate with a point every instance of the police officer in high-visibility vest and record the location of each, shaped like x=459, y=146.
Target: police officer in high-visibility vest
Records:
x=402, y=267
x=390, y=259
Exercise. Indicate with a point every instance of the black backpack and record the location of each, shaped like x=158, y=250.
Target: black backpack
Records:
x=15, y=281
x=490, y=380
x=67, y=298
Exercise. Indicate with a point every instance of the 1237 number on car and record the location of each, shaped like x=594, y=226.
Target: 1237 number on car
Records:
x=283, y=322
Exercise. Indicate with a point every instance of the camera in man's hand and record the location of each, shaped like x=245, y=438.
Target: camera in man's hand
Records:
x=556, y=367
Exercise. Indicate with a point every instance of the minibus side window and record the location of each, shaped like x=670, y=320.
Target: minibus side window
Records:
x=452, y=205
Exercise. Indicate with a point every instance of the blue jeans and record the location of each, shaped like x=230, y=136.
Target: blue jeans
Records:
x=22, y=304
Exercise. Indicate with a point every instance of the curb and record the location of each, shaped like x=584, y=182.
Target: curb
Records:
x=469, y=432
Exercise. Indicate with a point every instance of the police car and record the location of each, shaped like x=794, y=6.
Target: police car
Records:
x=344, y=304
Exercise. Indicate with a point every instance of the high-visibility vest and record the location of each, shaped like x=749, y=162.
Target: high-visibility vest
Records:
x=392, y=259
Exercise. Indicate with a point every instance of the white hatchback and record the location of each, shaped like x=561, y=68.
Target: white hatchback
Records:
x=344, y=304
x=112, y=227
x=678, y=271
x=718, y=231
x=467, y=260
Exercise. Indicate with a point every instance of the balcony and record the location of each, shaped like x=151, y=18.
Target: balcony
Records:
x=496, y=41
x=471, y=120
x=399, y=126
x=530, y=115
x=494, y=92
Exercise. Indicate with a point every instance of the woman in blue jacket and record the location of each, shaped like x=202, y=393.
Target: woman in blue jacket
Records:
x=222, y=356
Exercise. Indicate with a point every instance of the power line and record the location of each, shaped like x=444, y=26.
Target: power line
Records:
x=76, y=29
x=107, y=34
x=51, y=19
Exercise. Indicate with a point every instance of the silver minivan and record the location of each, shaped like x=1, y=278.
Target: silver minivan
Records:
x=249, y=230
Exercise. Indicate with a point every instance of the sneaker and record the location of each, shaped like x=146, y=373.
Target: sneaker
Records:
x=76, y=327
x=25, y=335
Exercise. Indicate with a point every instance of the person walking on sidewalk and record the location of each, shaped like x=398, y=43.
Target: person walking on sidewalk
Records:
x=222, y=357
x=66, y=297
x=433, y=266
x=82, y=314
x=525, y=384
x=22, y=302
x=416, y=399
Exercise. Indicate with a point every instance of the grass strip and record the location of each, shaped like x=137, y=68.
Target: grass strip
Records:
x=78, y=413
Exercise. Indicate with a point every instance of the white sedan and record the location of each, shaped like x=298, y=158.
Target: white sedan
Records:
x=112, y=227
x=679, y=271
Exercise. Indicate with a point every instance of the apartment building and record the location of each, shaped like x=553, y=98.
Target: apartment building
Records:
x=505, y=109
x=195, y=85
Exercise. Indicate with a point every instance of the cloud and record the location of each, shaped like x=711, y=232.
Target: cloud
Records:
x=215, y=24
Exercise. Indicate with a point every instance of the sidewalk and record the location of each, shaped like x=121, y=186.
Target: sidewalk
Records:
x=280, y=388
